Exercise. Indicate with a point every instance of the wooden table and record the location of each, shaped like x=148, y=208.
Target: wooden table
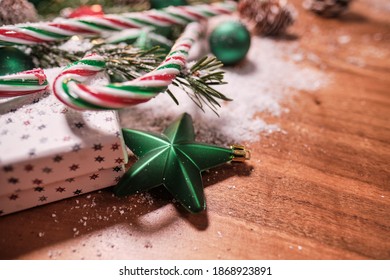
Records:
x=321, y=191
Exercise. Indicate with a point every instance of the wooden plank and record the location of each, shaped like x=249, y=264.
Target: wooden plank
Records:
x=319, y=191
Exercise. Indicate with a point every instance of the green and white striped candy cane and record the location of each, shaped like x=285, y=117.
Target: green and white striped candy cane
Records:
x=69, y=89
x=23, y=83
x=60, y=29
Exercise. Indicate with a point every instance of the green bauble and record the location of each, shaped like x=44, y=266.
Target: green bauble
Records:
x=13, y=60
x=159, y=4
x=230, y=42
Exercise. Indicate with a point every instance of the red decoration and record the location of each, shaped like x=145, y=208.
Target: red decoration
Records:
x=94, y=10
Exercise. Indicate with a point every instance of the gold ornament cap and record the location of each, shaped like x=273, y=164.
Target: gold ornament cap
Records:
x=240, y=153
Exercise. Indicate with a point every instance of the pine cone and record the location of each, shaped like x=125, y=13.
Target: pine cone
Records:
x=327, y=8
x=16, y=11
x=266, y=17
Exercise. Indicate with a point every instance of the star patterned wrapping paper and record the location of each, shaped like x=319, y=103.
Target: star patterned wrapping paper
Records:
x=49, y=152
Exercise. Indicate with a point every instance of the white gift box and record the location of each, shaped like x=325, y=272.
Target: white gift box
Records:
x=49, y=152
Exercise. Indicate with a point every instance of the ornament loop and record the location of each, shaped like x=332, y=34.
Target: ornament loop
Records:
x=240, y=153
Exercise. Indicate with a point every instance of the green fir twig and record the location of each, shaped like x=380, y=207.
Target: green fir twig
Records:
x=125, y=62
x=50, y=55
x=198, y=80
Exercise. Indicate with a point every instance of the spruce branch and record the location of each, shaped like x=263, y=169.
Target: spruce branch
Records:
x=50, y=55
x=197, y=83
x=125, y=62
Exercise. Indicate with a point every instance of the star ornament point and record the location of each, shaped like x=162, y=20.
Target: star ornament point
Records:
x=172, y=159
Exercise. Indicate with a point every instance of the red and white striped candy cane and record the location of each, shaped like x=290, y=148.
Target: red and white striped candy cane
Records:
x=69, y=89
x=23, y=83
x=60, y=29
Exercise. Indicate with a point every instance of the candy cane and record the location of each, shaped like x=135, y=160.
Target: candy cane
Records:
x=60, y=29
x=69, y=89
x=23, y=83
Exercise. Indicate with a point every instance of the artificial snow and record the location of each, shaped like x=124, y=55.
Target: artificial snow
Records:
x=262, y=84
x=268, y=77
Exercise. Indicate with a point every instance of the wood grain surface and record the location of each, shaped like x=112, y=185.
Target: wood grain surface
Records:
x=319, y=191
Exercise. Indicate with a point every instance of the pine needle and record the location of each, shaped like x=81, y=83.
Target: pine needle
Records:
x=126, y=63
x=197, y=83
x=129, y=62
x=123, y=62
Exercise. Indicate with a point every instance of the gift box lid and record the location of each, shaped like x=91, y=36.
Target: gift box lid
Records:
x=42, y=141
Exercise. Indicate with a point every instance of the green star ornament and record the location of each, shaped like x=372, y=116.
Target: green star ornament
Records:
x=175, y=160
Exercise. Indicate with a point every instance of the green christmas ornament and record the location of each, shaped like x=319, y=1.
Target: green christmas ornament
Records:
x=13, y=60
x=230, y=42
x=175, y=160
x=159, y=4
